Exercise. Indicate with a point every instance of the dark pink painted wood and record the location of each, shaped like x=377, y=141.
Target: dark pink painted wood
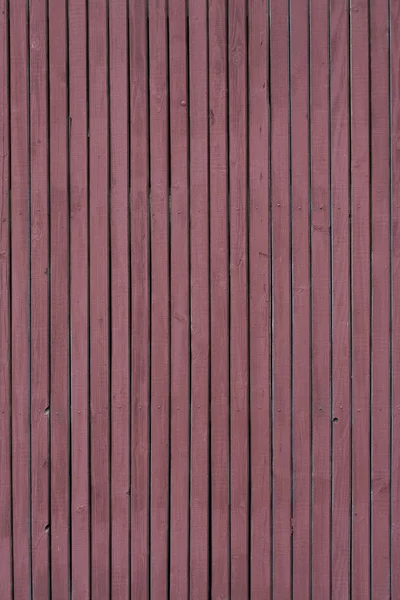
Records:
x=361, y=307
x=39, y=300
x=341, y=367
x=160, y=330
x=239, y=367
x=301, y=291
x=219, y=311
x=395, y=255
x=59, y=302
x=5, y=389
x=120, y=334
x=19, y=214
x=79, y=274
x=380, y=329
x=199, y=288
x=140, y=307
x=259, y=277
x=99, y=300
x=320, y=300
x=180, y=363
x=281, y=305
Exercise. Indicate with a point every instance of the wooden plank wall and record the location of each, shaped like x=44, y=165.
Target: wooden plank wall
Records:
x=199, y=299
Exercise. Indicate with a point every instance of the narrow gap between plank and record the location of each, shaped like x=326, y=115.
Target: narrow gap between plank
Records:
x=271, y=311
x=9, y=232
x=129, y=259
x=109, y=299
x=247, y=150
x=390, y=302
x=28, y=94
x=370, y=296
x=149, y=266
x=89, y=344
x=169, y=200
x=351, y=276
x=310, y=297
x=68, y=150
x=331, y=308
x=291, y=287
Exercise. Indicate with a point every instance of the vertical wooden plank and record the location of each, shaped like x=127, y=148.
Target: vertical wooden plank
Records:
x=80, y=539
x=395, y=257
x=59, y=317
x=39, y=299
x=5, y=396
x=199, y=264
x=179, y=513
x=20, y=397
x=139, y=173
x=320, y=299
x=120, y=368
x=281, y=310
x=259, y=277
x=239, y=367
x=360, y=286
x=219, y=300
x=160, y=393
x=380, y=344
x=341, y=414
x=99, y=299
x=300, y=161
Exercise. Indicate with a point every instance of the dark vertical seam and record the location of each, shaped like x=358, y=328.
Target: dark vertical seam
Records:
x=169, y=199
x=209, y=424
x=271, y=309
x=149, y=247
x=68, y=149
x=311, y=296
x=129, y=259
x=188, y=292
x=391, y=303
x=248, y=200
x=9, y=291
x=48, y=409
x=110, y=301
x=331, y=309
x=370, y=297
x=229, y=291
x=89, y=424
x=291, y=287
x=28, y=116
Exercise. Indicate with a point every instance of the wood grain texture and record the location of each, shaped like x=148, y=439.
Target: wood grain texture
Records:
x=180, y=358
x=79, y=298
x=341, y=367
x=301, y=294
x=395, y=316
x=20, y=306
x=219, y=307
x=59, y=302
x=140, y=299
x=199, y=289
x=39, y=300
x=281, y=303
x=259, y=323
x=238, y=236
x=380, y=329
x=120, y=334
x=320, y=299
x=361, y=306
x=160, y=330
x=99, y=300
x=5, y=334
